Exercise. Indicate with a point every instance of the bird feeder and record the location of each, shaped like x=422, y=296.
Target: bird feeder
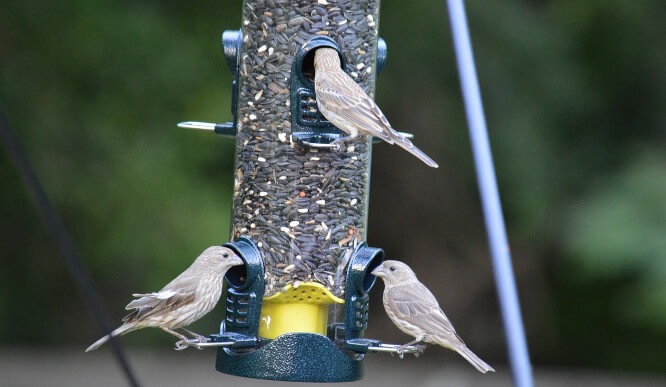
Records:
x=298, y=308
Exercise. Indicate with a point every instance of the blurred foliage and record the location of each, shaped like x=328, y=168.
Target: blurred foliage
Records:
x=574, y=94
x=618, y=230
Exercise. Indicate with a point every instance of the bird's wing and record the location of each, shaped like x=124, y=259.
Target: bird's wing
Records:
x=152, y=303
x=415, y=304
x=345, y=98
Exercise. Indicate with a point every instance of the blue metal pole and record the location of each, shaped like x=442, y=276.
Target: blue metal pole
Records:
x=492, y=208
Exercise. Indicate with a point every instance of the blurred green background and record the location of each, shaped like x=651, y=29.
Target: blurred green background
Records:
x=574, y=92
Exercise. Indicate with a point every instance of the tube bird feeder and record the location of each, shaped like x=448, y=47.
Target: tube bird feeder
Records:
x=298, y=308
x=304, y=207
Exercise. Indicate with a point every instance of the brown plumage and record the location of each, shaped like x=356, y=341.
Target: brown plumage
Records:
x=187, y=298
x=415, y=311
x=344, y=103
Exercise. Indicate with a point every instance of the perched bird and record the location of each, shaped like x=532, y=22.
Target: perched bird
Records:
x=187, y=298
x=343, y=103
x=415, y=311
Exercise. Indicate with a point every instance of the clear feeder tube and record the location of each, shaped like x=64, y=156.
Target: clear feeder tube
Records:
x=306, y=209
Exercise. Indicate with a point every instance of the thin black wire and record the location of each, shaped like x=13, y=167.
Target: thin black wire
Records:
x=54, y=223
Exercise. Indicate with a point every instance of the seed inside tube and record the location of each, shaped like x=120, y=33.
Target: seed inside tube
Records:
x=298, y=213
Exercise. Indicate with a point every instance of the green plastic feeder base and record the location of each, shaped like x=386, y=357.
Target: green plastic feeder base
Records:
x=294, y=357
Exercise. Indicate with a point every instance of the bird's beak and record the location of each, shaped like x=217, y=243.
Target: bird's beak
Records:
x=378, y=272
x=236, y=260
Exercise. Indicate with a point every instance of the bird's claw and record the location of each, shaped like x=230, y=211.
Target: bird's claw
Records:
x=339, y=147
x=201, y=340
x=420, y=348
x=183, y=344
x=180, y=345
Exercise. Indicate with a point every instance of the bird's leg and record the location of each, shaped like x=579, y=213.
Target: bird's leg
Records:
x=182, y=343
x=178, y=335
x=198, y=337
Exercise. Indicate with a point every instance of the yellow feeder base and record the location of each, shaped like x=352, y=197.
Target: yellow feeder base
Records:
x=297, y=309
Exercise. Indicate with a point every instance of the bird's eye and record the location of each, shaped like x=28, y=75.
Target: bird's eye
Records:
x=392, y=268
x=225, y=255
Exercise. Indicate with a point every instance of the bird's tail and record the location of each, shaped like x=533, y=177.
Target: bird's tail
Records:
x=480, y=365
x=407, y=145
x=116, y=332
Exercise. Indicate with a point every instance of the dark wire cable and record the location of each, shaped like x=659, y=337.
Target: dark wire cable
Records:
x=492, y=207
x=55, y=225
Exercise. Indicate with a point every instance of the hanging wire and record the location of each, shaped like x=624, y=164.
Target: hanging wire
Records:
x=492, y=207
x=70, y=253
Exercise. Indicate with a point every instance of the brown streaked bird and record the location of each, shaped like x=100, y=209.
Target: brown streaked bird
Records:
x=415, y=311
x=344, y=103
x=187, y=298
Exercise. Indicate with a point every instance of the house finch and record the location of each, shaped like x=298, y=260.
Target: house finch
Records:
x=342, y=102
x=187, y=298
x=415, y=311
